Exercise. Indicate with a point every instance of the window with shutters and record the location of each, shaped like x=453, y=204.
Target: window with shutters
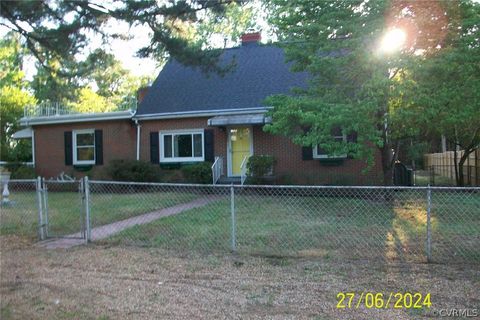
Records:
x=319, y=153
x=182, y=146
x=83, y=146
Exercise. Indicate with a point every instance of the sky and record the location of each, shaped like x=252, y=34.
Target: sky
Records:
x=125, y=51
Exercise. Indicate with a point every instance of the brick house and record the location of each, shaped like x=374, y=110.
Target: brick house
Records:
x=188, y=116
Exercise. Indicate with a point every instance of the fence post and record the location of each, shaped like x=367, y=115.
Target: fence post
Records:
x=429, y=227
x=45, y=206
x=41, y=234
x=232, y=212
x=86, y=185
x=432, y=175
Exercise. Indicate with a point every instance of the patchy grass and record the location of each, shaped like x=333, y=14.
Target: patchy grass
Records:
x=329, y=227
x=95, y=282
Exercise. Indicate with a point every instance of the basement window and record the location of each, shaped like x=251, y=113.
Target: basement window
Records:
x=182, y=146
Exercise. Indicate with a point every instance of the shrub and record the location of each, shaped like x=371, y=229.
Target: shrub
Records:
x=133, y=170
x=198, y=173
x=19, y=171
x=173, y=176
x=23, y=172
x=260, y=169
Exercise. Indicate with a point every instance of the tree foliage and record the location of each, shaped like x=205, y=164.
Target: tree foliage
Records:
x=60, y=29
x=13, y=97
x=442, y=92
x=353, y=84
x=229, y=27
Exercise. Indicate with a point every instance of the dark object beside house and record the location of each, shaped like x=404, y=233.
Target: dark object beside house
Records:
x=402, y=176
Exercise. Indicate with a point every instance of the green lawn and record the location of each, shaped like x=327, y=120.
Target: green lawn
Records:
x=423, y=178
x=21, y=215
x=323, y=226
x=65, y=210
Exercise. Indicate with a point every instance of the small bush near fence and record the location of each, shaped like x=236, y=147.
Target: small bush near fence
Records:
x=260, y=169
x=23, y=172
x=133, y=170
x=198, y=173
x=20, y=171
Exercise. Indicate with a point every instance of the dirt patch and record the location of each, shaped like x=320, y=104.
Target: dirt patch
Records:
x=98, y=282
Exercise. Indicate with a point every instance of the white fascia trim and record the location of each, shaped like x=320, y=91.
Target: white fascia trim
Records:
x=119, y=115
x=193, y=114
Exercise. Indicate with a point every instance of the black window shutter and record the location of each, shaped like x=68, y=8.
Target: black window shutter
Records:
x=154, y=148
x=98, y=147
x=208, y=147
x=68, y=148
x=307, y=153
x=352, y=137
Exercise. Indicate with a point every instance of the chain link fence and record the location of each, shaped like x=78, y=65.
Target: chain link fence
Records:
x=390, y=223
x=64, y=208
x=19, y=210
x=405, y=224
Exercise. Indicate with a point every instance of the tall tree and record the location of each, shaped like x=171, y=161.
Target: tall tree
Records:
x=61, y=28
x=13, y=98
x=442, y=91
x=345, y=46
x=229, y=27
x=50, y=83
x=110, y=78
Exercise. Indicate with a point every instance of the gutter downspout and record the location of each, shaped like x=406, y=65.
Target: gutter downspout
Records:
x=138, y=139
x=33, y=147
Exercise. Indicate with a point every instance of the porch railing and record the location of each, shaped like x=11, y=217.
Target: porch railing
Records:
x=243, y=170
x=53, y=109
x=217, y=169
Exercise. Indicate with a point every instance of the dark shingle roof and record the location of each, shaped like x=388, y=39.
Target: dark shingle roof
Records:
x=260, y=71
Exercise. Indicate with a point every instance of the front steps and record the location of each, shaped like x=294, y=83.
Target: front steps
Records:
x=229, y=180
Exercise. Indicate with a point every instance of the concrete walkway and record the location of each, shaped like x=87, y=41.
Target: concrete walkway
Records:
x=108, y=230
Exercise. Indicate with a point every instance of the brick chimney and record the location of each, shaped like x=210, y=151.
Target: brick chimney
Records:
x=141, y=93
x=251, y=37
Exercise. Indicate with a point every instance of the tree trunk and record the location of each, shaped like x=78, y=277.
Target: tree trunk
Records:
x=387, y=164
x=455, y=159
x=463, y=158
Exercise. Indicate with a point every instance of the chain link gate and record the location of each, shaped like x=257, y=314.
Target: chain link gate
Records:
x=61, y=209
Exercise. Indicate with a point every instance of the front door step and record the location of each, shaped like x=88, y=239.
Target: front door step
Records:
x=229, y=180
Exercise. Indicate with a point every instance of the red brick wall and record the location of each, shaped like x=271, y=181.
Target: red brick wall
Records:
x=119, y=139
x=290, y=167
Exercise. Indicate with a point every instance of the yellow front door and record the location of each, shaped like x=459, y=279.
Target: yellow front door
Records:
x=240, y=140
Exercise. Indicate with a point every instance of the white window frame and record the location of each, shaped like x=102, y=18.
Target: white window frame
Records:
x=74, y=142
x=181, y=159
x=326, y=156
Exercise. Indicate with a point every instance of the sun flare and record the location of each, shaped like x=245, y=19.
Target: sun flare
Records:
x=393, y=40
